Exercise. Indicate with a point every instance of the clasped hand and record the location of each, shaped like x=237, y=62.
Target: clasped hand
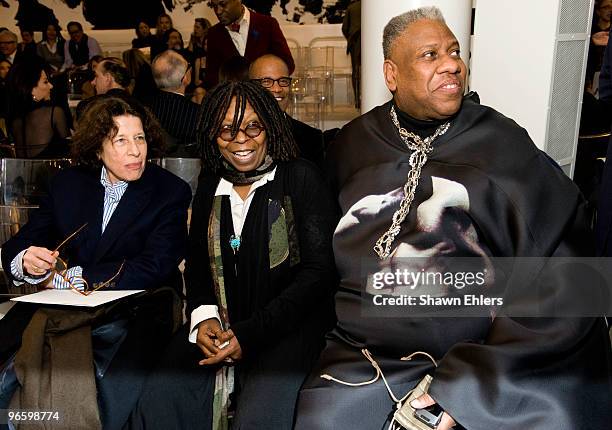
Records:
x=210, y=339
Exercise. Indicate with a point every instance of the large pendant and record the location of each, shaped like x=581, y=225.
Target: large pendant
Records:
x=234, y=243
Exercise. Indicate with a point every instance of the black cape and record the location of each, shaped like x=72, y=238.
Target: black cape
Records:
x=486, y=191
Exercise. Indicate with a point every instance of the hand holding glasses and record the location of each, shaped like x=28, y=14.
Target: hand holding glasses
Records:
x=60, y=267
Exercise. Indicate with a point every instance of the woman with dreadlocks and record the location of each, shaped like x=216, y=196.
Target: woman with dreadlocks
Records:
x=259, y=274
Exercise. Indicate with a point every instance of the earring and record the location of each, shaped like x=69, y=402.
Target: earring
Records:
x=34, y=98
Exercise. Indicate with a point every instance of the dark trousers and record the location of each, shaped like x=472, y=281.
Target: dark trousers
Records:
x=126, y=347
x=179, y=393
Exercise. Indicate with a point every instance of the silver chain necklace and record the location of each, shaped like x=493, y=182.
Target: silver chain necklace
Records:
x=421, y=149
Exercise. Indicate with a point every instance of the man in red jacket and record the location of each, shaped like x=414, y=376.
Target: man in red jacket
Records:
x=242, y=32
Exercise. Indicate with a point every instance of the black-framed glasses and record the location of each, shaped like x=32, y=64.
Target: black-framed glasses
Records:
x=283, y=81
x=252, y=130
x=61, y=268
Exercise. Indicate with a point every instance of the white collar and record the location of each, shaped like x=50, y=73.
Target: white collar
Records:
x=225, y=187
x=106, y=183
x=246, y=19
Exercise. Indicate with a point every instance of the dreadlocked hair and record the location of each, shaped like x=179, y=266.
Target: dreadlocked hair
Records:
x=280, y=143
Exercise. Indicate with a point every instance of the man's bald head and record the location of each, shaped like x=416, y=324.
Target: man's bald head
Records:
x=272, y=68
x=170, y=71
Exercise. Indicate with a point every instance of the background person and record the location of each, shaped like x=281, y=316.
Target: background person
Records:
x=39, y=128
x=164, y=23
x=176, y=113
x=51, y=47
x=80, y=48
x=144, y=38
x=111, y=77
x=237, y=25
x=272, y=73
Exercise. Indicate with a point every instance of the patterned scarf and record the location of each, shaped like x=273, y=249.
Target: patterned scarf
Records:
x=230, y=174
x=224, y=380
x=281, y=245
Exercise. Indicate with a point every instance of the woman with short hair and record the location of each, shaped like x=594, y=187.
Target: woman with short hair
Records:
x=115, y=222
x=51, y=47
x=143, y=38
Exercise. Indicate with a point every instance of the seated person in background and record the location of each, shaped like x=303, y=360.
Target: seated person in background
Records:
x=164, y=23
x=272, y=73
x=51, y=47
x=143, y=86
x=8, y=47
x=198, y=95
x=80, y=48
x=259, y=275
x=28, y=44
x=197, y=41
x=39, y=129
x=437, y=177
x=87, y=90
x=144, y=38
x=130, y=219
x=111, y=77
x=176, y=113
x=174, y=41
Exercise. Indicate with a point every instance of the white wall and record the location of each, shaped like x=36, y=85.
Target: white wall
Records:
x=120, y=40
x=512, y=63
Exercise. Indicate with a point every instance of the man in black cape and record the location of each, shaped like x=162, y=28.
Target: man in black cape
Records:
x=434, y=175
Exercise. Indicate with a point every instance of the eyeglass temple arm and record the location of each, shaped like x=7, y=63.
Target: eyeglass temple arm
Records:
x=70, y=237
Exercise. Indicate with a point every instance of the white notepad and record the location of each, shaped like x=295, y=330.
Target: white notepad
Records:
x=72, y=298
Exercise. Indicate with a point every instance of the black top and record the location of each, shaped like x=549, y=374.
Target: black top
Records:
x=41, y=133
x=143, y=42
x=262, y=300
x=309, y=141
x=178, y=117
x=485, y=191
x=418, y=126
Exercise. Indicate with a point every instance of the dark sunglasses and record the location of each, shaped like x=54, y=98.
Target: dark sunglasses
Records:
x=252, y=130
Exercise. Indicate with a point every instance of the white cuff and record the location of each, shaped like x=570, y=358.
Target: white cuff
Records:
x=201, y=313
x=20, y=277
x=74, y=275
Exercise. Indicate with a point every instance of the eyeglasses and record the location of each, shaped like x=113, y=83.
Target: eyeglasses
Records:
x=283, y=81
x=61, y=268
x=252, y=130
x=11, y=42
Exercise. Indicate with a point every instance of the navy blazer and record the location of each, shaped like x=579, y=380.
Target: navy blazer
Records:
x=265, y=37
x=147, y=231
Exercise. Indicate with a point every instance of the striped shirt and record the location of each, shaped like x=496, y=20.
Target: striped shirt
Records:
x=112, y=196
